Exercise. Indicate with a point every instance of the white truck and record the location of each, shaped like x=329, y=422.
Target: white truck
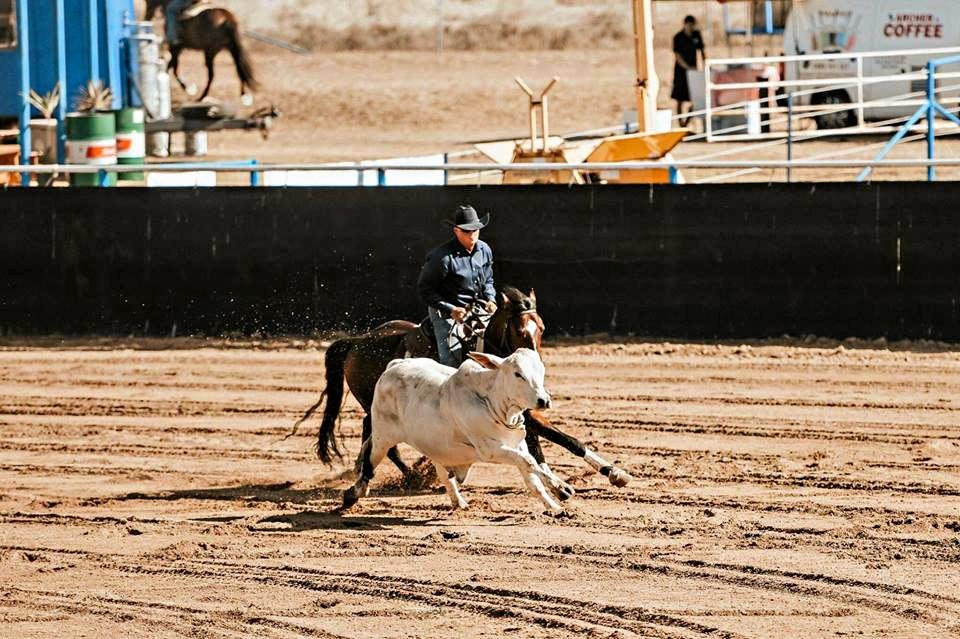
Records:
x=858, y=26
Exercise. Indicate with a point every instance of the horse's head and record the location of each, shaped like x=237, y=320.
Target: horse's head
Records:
x=516, y=323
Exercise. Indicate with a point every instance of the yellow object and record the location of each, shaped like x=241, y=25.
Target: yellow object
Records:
x=542, y=148
x=636, y=146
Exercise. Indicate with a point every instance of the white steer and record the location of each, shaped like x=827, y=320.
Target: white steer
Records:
x=458, y=417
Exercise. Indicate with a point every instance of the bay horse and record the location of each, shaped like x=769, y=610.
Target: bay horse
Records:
x=362, y=359
x=211, y=30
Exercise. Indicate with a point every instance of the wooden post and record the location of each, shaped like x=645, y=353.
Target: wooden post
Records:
x=647, y=85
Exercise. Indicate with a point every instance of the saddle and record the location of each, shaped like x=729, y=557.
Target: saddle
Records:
x=197, y=8
x=426, y=329
x=426, y=335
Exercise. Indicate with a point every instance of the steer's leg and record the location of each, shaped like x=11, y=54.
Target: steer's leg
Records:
x=561, y=489
x=449, y=479
x=392, y=454
x=533, y=476
x=462, y=472
x=371, y=454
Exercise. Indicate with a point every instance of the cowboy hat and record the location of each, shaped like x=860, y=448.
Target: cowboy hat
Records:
x=466, y=218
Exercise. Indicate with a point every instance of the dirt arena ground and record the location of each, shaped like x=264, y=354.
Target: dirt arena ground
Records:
x=788, y=489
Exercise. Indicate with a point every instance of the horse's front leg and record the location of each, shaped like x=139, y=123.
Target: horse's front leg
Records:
x=536, y=423
x=174, y=65
x=209, y=57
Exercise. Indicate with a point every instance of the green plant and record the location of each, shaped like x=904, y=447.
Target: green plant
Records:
x=94, y=97
x=46, y=104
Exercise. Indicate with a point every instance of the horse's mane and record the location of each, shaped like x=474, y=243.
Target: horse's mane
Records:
x=518, y=299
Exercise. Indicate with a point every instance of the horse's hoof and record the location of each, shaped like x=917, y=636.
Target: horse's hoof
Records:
x=350, y=497
x=619, y=478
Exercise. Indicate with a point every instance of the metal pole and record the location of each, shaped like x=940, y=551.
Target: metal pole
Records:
x=23, y=44
x=860, y=122
x=93, y=29
x=789, y=133
x=62, y=80
x=931, y=116
x=708, y=116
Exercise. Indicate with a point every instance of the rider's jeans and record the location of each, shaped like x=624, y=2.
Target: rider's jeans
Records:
x=448, y=347
x=174, y=9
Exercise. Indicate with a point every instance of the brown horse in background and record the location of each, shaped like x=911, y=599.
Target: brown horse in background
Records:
x=211, y=30
x=362, y=359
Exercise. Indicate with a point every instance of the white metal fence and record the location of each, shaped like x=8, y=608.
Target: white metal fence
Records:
x=448, y=169
x=874, y=96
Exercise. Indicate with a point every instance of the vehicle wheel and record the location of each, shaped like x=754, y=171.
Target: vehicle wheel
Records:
x=835, y=119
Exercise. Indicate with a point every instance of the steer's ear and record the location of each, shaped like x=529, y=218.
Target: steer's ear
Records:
x=487, y=361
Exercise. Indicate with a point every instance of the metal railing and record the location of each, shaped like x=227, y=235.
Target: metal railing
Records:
x=930, y=107
x=592, y=167
x=804, y=89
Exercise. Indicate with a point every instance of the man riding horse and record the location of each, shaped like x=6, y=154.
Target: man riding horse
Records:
x=457, y=273
x=210, y=29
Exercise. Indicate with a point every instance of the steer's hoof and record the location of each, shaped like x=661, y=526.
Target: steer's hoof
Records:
x=564, y=491
x=619, y=478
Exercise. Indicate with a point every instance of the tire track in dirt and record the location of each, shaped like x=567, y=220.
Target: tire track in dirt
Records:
x=902, y=601
x=746, y=400
x=57, y=519
x=798, y=481
x=731, y=430
x=235, y=624
x=350, y=429
x=130, y=407
x=145, y=450
x=175, y=383
x=744, y=383
x=531, y=607
x=79, y=469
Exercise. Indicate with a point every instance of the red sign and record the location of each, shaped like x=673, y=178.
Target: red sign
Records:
x=913, y=25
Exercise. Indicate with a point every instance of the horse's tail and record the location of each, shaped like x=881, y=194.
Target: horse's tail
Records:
x=240, y=58
x=334, y=364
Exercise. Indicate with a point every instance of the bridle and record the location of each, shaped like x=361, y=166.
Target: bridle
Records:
x=502, y=346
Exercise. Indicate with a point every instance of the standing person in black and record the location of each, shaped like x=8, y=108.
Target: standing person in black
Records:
x=456, y=273
x=685, y=46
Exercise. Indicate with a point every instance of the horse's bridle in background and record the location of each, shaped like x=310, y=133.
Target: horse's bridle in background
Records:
x=475, y=325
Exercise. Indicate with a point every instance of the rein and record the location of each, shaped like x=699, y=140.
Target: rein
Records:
x=476, y=324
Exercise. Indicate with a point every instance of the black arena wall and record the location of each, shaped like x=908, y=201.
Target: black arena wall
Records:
x=733, y=260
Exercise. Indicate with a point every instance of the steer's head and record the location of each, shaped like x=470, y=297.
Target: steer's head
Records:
x=519, y=378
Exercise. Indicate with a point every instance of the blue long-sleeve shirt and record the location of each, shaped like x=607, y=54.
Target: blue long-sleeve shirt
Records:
x=453, y=277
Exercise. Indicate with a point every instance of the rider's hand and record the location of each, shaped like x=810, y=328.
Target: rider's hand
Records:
x=458, y=313
x=491, y=306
